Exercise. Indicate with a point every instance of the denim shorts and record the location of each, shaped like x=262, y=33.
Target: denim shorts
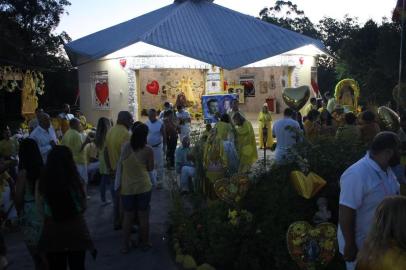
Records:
x=138, y=202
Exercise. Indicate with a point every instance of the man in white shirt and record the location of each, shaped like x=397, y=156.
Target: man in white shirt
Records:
x=157, y=140
x=44, y=135
x=167, y=107
x=66, y=115
x=364, y=185
x=34, y=122
x=287, y=133
x=184, y=122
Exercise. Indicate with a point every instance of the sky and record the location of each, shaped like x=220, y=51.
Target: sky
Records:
x=89, y=16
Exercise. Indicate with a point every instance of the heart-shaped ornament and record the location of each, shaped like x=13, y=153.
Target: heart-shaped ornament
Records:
x=233, y=189
x=296, y=98
x=102, y=92
x=153, y=87
x=389, y=119
x=306, y=186
x=312, y=247
x=123, y=62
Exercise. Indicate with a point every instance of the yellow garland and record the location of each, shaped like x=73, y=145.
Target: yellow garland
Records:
x=10, y=75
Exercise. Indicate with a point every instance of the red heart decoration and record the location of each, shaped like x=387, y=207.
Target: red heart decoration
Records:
x=153, y=88
x=123, y=62
x=102, y=92
x=301, y=60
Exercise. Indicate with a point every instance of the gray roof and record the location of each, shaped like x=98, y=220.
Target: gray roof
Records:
x=198, y=29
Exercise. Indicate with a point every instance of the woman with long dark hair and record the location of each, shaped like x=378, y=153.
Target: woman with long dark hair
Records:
x=30, y=168
x=65, y=237
x=136, y=161
x=103, y=125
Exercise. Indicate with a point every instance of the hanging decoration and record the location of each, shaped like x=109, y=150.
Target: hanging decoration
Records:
x=100, y=91
x=123, y=62
x=10, y=76
x=153, y=87
x=312, y=247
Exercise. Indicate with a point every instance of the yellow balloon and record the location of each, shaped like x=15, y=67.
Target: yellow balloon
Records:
x=389, y=119
x=296, y=98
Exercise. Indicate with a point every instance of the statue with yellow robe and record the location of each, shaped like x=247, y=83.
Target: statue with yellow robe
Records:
x=347, y=93
x=245, y=143
x=265, y=121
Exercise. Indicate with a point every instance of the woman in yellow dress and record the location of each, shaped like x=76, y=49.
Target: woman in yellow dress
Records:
x=385, y=247
x=265, y=121
x=245, y=143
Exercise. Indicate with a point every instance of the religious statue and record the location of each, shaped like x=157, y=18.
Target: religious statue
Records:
x=29, y=100
x=347, y=94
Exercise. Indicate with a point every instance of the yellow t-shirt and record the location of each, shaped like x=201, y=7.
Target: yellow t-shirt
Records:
x=115, y=139
x=393, y=259
x=135, y=177
x=8, y=147
x=73, y=140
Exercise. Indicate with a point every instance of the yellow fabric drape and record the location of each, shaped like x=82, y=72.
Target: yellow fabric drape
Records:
x=223, y=130
x=265, y=120
x=246, y=146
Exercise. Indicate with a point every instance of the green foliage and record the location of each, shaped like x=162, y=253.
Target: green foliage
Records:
x=367, y=53
x=210, y=235
x=27, y=36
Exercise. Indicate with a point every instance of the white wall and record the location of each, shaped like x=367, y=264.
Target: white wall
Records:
x=118, y=89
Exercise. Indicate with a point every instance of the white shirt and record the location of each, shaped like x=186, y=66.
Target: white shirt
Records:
x=363, y=187
x=66, y=116
x=154, y=133
x=185, y=128
x=43, y=139
x=285, y=138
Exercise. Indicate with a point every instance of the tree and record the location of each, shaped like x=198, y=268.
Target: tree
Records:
x=28, y=41
x=28, y=37
x=371, y=56
x=287, y=15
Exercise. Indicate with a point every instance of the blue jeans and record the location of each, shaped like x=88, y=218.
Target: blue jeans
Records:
x=105, y=184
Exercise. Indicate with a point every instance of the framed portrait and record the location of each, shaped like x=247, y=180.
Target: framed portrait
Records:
x=216, y=105
x=237, y=89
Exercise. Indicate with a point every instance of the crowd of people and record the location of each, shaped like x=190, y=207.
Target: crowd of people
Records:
x=47, y=172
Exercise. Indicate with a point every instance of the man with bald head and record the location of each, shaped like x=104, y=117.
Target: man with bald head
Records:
x=116, y=137
x=44, y=135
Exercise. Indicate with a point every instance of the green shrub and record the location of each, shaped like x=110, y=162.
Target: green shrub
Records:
x=210, y=235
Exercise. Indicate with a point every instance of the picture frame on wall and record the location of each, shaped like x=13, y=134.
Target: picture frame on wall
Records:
x=237, y=89
x=248, y=81
x=100, y=91
x=263, y=87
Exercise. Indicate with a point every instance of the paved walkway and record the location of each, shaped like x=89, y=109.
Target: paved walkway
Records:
x=108, y=241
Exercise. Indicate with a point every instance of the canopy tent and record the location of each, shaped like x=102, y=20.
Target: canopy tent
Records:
x=198, y=29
